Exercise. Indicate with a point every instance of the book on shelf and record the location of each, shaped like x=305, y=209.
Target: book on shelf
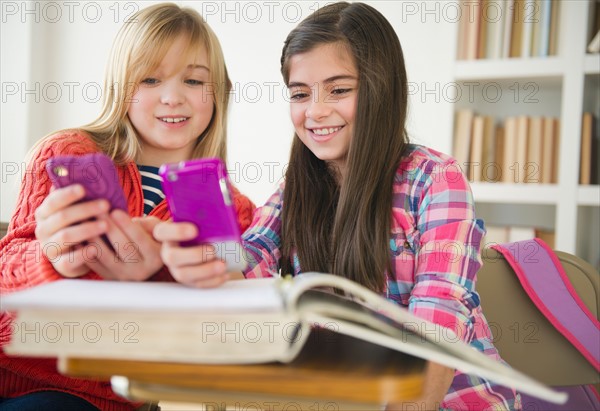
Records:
x=476, y=153
x=489, y=171
x=588, y=163
x=529, y=17
x=543, y=44
x=532, y=171
x=507, y=28
x=498, y=156
x=522, y=149
x=241, y=322
x=516, y=38
x=462, y=136
x=482, y=29
x=546, y=235
x=494, y=15
x=498, y=234
x=496, y=29
x=519, y=169
x=549, y=147
x=554, y=28
x=509, y=152
x=473, y=15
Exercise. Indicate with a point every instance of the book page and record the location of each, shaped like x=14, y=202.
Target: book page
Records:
x=392, y=326
x=234, y=296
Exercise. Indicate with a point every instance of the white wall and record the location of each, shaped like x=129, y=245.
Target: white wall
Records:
x=53, y=56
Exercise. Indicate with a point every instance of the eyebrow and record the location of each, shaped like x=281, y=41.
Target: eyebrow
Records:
x=326, y=81
x=197, y=66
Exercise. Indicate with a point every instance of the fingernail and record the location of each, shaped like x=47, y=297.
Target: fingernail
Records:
x=104, y=205
x=78, y=189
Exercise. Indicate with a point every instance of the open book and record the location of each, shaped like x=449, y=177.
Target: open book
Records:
x=251, y=321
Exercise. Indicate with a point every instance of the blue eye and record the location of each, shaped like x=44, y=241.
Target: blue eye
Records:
x=193, y=82
x=149, y=81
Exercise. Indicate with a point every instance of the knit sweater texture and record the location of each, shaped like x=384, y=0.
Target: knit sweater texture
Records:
x=24, y=265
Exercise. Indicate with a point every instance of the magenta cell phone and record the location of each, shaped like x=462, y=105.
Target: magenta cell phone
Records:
x=95, y=172
x=198, y=191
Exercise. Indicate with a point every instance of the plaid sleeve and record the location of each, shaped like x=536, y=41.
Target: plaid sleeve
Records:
x=448, y=250
x=262, y=240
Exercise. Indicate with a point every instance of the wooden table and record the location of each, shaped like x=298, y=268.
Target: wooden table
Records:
x=332, y=372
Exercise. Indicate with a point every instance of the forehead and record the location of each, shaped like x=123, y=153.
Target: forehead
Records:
x=322, y=62
x=179, y=54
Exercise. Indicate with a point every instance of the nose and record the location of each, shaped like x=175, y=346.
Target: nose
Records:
x=172, y=95
x=318, y=108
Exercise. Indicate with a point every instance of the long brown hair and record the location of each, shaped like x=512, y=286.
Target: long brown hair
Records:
x=345, y=228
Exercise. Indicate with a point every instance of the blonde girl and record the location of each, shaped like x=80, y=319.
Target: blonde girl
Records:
x=166, y=98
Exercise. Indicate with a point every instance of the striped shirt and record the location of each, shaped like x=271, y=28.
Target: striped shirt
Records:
x=152, y=187
x=435, y=244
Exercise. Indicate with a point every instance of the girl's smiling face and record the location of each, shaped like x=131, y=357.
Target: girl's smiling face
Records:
x=172, y=106
x=323, y=85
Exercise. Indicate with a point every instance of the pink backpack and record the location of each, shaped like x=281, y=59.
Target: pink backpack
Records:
x=544, y=279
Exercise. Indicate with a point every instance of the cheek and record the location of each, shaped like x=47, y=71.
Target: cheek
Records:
x=139, y=105
x=297, y=115
x=350, y=110
x=203, y=103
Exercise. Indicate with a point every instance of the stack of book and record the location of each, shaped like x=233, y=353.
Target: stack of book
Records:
x=518, y=149
x=508, y=234
x=495, y=29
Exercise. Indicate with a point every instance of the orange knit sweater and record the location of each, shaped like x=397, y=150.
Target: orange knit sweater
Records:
x=23, y=265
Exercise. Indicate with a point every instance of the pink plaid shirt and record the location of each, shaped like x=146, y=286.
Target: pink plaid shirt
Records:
x=435, y=250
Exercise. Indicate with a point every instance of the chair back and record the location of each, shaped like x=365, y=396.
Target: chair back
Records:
x=524, y=337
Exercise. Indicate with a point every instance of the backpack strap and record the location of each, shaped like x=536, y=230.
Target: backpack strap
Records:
x=544, y=279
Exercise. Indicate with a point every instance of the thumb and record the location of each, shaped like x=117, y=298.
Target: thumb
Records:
x=147, y=223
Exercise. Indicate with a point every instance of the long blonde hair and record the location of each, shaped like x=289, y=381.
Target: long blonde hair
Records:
x=138, y=49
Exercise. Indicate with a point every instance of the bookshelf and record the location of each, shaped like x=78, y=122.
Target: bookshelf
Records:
x=564, y=86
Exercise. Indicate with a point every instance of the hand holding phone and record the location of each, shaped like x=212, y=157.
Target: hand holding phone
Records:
x=95, y=172
x=198, y=191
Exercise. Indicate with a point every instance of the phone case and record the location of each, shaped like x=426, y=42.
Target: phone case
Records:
x=95, y=172
x=198, y=191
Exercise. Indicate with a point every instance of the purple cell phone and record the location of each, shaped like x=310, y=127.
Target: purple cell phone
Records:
x=95, y=172
x=198, y=191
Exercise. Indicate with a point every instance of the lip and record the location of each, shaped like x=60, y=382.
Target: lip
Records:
x=173, y=125
x=323, y=139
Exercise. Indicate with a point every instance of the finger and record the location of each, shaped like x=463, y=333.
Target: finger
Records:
x=146, y=244
x=74, y=263
x=122, y=245
x=173, y=254
x=70, y=215
x=78, y=234
x=199, y=274
x=99, y=268
x=59, y=199
x=105, y=261
x=128, y=267
x=169, y=231
x=147, y=223
x=212, y=282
